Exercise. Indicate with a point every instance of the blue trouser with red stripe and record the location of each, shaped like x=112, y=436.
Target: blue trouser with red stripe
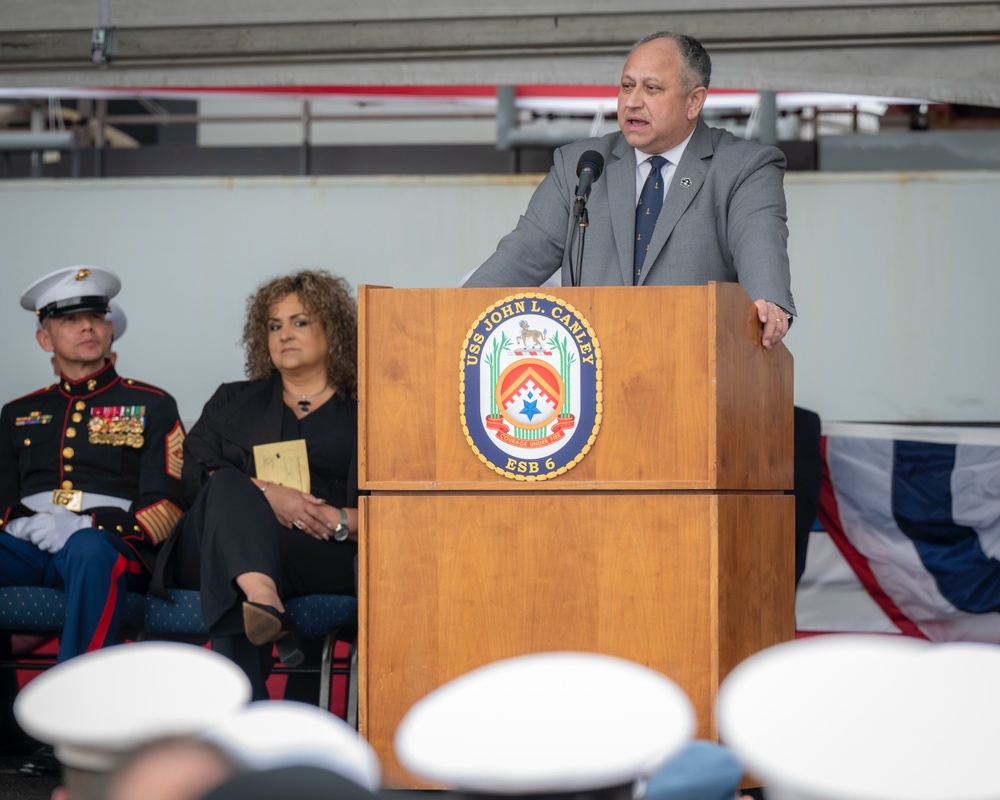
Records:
x=94, y=569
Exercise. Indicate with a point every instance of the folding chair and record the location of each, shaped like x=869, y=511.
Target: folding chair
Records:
x=329, y=617
x=41, y=610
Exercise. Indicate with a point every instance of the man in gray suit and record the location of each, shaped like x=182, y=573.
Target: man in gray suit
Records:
x=723, y=203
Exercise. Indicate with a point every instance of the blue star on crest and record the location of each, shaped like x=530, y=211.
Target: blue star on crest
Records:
x=530, y=409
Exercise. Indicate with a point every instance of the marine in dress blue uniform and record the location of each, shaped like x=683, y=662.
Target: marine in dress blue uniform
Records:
x=90, y=472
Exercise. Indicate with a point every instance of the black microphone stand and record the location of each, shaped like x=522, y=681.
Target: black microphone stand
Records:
x=588, y=170
x=580, y=222
x=577, y=272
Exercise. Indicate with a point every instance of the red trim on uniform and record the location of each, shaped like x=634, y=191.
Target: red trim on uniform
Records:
x=121, y=566
x=62, y=445
x=98, y=390
x=92, y=376
x=138, y=566
x=132, y=383
x=43, y=390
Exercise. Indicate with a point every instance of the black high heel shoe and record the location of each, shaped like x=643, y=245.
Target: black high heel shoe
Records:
x=264, y=624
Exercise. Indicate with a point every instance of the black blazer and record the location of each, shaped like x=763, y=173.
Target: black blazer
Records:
x=238, y=417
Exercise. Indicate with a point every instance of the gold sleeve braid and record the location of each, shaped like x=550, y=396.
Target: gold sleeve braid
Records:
x=159, y=519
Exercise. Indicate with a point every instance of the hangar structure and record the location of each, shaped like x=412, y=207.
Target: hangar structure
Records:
x=893, y=254
x=945, y=50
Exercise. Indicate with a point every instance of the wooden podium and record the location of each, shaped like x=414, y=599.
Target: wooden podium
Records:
x=670, y=543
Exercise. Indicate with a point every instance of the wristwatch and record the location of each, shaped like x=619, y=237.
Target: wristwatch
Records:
x=341, y=532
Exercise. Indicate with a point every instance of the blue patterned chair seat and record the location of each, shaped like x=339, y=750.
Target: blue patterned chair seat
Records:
x=314, y=615
x=330, y=617
x=40, y=609
x=180, y=616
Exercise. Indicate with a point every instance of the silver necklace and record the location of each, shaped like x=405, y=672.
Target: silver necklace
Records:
x=303, y=402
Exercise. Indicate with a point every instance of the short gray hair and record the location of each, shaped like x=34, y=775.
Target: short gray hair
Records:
x=695, y=60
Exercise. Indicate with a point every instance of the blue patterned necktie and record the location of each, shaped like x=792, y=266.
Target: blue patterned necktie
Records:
x=650, y=203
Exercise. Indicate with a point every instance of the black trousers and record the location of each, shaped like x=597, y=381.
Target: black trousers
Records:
x=231, y=530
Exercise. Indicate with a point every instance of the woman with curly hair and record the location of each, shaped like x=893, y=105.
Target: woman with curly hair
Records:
x=247, y=543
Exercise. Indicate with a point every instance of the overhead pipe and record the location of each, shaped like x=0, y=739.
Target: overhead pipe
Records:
x=37, y=140
x=510, y=135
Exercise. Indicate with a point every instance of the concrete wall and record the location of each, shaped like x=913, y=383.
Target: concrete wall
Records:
x=894, y=274
x=911, y=150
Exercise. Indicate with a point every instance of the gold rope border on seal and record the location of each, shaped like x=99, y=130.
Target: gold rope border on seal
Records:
x=598, y=387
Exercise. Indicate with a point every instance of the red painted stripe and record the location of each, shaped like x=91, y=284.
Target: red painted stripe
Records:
x=811, y=634
x=440, y=91
x=121, y=565
x=371, y=91
x=829, y=515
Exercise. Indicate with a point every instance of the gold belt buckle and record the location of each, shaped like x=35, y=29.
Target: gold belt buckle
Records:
x=71, y=499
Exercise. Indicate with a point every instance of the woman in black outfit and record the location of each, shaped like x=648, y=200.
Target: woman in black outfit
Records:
x=248, y=544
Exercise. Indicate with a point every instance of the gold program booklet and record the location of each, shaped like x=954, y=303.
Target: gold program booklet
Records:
x=284, y=463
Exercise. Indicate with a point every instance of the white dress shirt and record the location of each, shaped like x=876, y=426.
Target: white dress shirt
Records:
x=643, y=167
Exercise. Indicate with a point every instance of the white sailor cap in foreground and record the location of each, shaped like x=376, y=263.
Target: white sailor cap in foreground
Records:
x=844, y=717
x=279, y=733
x=546, y=723
x=71, y=289
x=96, y=708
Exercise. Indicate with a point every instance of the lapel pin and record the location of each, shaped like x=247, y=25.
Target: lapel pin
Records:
x=685, y=182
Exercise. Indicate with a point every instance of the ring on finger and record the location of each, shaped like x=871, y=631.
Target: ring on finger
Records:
x=298, y=524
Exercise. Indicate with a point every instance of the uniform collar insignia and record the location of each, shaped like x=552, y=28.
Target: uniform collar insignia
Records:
x=97, y=382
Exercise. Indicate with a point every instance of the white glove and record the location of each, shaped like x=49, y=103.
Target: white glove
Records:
x=55, y=524
x=20, y=528
x=27, y=528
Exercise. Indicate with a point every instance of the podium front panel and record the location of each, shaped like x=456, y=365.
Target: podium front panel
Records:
x=676, y=581
x=689, y=397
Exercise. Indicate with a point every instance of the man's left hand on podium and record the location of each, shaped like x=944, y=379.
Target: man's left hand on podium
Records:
x=775, y=321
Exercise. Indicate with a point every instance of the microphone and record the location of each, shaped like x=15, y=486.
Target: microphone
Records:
x=588, y=170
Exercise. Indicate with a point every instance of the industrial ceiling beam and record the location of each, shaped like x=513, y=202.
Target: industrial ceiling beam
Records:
x=461, y=39
x=940, y=50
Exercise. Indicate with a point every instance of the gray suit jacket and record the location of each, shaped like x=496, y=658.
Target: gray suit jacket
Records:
x=723, y=219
